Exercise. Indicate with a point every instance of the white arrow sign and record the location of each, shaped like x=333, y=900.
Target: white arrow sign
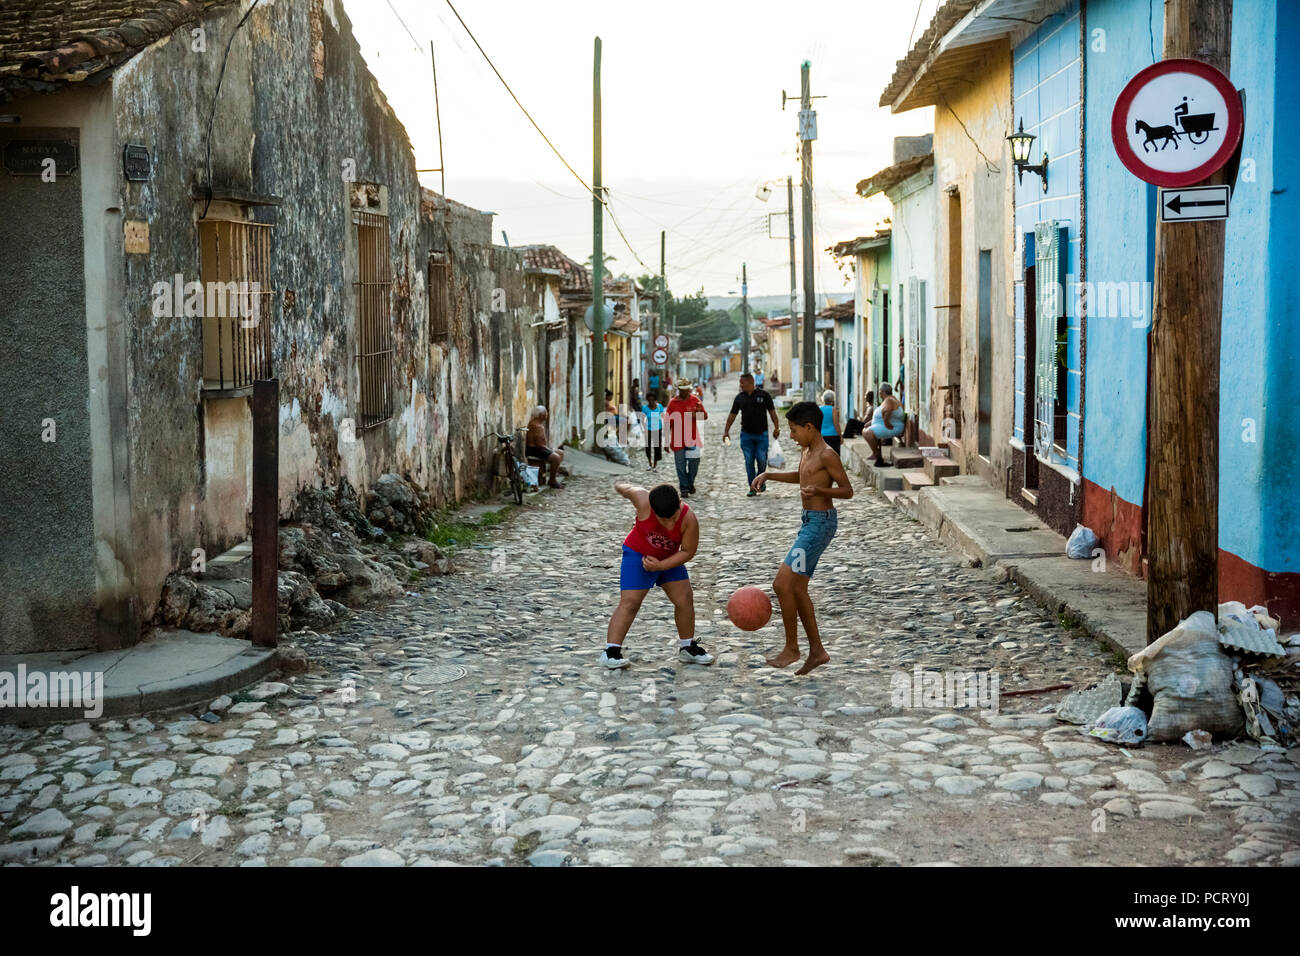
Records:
x=1194, y=202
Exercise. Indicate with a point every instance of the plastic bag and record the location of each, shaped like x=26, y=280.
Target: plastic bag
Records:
x=1191, y=681
x=1082, y=542
x=775, y=457
x=614, y=451
x=635, y=433
x=1121, y=725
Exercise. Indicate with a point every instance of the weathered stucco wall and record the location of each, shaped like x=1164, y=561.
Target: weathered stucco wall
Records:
x=304, y=122
x=970, y=128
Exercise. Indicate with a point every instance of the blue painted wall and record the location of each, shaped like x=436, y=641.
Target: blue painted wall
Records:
x=1259, y=480
x=1259, y=505
x=1120, y=245
x=1045, y=92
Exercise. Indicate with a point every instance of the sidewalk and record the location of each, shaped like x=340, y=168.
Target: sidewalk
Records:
x=970, y=516
x=169, y=669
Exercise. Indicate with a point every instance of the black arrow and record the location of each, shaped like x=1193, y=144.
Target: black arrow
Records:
x=1178, y=202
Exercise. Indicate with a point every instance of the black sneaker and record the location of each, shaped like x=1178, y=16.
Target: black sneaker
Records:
x=694, y=654
x=613, y=658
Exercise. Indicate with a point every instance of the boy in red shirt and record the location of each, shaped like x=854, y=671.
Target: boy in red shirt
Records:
x=684, y=435
x=664, y=538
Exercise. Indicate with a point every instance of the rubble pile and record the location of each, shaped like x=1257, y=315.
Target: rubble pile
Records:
x=334, y=554
x=1206, y=678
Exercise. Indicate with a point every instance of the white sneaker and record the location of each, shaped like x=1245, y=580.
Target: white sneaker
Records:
x=694, y=654
x=613, y=658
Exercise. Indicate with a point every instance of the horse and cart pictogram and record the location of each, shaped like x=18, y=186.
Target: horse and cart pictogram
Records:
x=1197, y=127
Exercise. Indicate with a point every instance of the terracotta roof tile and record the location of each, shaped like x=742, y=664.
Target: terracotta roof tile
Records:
x=43, y=43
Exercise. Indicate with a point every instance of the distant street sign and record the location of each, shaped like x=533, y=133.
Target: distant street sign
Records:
x=660, y=356
x=661, y=341
x=1194, y=202
x=1176, y=122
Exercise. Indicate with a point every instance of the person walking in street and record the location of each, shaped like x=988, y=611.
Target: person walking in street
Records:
x=831, y=421
x=634, y=399
x=754, y=406
x=683, y=414
x=665, y=536
x=713, y=389
x=653, y=413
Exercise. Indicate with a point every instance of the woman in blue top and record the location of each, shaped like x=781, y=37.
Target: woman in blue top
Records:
x=831, y=421
x=653, y=413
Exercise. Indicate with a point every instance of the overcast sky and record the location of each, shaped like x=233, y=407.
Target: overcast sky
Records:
x=692, y=120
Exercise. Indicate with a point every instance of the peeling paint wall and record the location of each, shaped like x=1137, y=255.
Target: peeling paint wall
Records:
x=299, y=117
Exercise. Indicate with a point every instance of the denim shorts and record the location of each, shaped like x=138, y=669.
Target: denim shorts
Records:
x=815, y=533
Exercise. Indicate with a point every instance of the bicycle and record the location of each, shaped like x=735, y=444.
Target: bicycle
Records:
x=515, y=467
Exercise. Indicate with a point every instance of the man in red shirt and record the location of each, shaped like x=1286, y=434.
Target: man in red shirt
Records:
x=681, y=417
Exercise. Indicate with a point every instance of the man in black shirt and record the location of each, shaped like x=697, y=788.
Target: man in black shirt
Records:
x=751, y=405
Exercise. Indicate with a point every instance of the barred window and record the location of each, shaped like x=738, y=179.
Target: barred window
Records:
x=374, y=319
x=439, y=297
x=235, y=265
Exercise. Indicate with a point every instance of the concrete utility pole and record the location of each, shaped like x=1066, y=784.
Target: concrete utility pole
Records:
x=794, y=283
x=597, y=266
x=744, y=311
x=663, y=290
x=807, y=133
x=1183, y=433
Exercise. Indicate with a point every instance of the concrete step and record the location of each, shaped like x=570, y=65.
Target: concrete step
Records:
x=974, y=480
x=938, y=468
x=907, y=502
x=907, y=458
x=888, y=479
x=915, y=479
x=235, y=555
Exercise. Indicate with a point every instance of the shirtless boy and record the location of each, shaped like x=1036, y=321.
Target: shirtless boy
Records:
x=535, y=444
x=821, y=477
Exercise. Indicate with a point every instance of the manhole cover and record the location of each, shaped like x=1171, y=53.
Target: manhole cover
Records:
x=436, y=674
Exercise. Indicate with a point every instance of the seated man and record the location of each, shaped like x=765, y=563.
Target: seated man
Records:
x=886, y=422
x=535, y=445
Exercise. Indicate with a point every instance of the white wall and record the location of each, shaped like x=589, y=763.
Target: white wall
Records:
x=912, y=256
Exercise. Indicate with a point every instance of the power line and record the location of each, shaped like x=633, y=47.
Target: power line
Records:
x=614, y=219
x=516, y=99
x=404, y=26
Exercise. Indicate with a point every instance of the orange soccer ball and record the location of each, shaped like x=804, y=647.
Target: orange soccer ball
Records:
x=749, y=608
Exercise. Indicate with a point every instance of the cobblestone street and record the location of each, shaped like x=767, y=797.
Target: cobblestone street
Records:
x=539, y=756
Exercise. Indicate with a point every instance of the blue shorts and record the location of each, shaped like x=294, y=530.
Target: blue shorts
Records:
x=633, y=577
x=815, y=533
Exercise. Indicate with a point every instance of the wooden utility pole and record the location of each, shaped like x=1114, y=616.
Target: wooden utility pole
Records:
x=807, y=133
x=1183, y=433
x=597, y=266
x=266, y=512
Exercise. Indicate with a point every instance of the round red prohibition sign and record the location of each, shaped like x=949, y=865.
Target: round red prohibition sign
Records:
x=1176, y=122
